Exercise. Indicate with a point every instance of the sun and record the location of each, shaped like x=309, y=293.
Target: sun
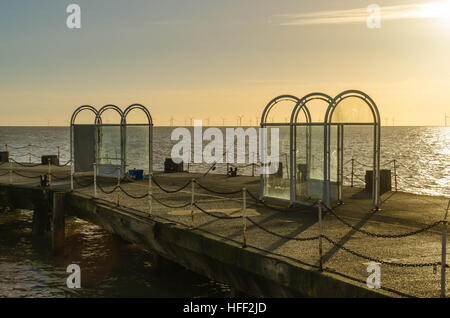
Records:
x=437, y=9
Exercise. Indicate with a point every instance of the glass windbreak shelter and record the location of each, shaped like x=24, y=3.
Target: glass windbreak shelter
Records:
x=137, y=137
x=82, y=141
x=109, y=144
x=113, y=147
x=311, y=154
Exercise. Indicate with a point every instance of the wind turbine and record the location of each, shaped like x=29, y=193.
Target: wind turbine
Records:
x=171, y=121
x=240, y=119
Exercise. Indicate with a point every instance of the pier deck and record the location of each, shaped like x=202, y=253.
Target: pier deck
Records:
x=270, y=257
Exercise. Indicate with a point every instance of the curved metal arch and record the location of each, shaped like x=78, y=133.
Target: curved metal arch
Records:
x=79, y=110
x=136, y=106
x=306, y=99
x=275, y=101
x=105, y=108
x=348, y=94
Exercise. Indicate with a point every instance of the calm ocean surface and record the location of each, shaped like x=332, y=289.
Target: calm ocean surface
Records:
x=112, y=268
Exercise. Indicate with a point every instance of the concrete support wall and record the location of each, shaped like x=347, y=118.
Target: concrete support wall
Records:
x=59, y=222
x=245, y=269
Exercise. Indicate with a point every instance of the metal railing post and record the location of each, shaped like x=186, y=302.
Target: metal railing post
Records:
x=49, y=173
x=192, y=202
x=444, y=257
x=118, y=186
x=10, y=171
x=6, y=147
x=29, y=153
x=353, y=171
x=150, y=208
x=72, y=169
x=59, y=153
x=319, y=211
x=244, y=216
x=395, y=174
x=253, y=169
x=95, y=179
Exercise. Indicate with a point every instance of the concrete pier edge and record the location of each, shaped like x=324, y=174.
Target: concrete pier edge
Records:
x=250, y=270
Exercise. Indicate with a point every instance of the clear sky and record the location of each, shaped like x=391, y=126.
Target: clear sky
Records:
x=221, y=58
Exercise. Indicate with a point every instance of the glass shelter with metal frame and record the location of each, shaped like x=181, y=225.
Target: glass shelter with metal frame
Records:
x=311, y=154
x=137, y=140
x=108, y=149
x=82, y=142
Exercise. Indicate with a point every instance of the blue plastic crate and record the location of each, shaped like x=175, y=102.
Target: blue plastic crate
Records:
x=136, y=174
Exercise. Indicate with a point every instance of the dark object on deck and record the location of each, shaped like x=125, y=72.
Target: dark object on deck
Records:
x=136, y=174
x=232, y=173
x=52, y=158
x=4, y=156
x=44, y=181
x=385, y=180
x=170, y=166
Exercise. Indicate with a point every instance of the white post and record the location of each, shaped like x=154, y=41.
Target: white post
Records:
x=10, y=172
x=72, y=168
x=395, y=174
x=150, y=194
x=49, y=173
x=244, y=216
x=118, y=186
x=95, y=179
x=29, y=153
x=444, y=257
x=192, y=201
x=319, y=210
x=6, y=147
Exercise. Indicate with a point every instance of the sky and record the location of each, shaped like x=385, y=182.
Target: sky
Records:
x=220, y=59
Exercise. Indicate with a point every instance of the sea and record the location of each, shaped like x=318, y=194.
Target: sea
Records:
x=113, y=268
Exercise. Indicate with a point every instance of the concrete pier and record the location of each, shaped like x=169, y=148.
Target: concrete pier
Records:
x=269, y=266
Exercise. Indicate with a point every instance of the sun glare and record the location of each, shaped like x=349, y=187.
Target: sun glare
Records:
x=439, y=9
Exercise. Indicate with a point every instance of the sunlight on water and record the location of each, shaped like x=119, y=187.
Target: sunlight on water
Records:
x=422, y=153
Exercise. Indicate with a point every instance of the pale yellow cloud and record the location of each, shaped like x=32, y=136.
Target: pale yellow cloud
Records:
x=437, y=9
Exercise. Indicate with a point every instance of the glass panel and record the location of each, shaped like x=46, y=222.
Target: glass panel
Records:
x=310, y=164
x=137, y=148
x=277, y=185
x=109, y=149
x=302, y=162
x=83, y=147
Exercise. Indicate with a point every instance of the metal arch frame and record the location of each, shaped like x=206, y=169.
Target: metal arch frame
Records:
x=376, y=146
x=98, y=122
x=275, y=101
x=263, y=124
x=72, y=123
x=150, y=132
x=293, y=136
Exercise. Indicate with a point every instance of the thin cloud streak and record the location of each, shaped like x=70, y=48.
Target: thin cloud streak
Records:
x=349, y=16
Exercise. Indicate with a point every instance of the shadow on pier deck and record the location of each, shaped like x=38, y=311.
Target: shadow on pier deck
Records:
x=270, y=266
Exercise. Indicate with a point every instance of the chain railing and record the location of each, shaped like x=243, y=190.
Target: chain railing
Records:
x=222, y=216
